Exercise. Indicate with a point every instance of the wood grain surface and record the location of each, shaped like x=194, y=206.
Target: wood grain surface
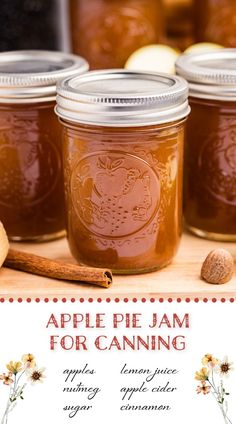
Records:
x=180, y=279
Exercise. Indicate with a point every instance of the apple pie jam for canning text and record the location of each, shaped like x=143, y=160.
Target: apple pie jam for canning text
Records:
x=122, y=150
x=106, y=32
x=210, y=156
x=31, y=177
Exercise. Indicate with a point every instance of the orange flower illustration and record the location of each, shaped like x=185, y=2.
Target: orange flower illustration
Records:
x=28, y=360
x=209, y=360
x=203, y=388
x=7, y=378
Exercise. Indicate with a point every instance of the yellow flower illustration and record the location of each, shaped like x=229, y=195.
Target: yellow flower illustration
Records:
x=28, y=360
x=209, y=360
x=202, y=375
x=14, y=367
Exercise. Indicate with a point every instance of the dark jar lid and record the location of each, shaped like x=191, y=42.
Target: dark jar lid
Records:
x=211, y=75
x=121, y=98
x=31, y=75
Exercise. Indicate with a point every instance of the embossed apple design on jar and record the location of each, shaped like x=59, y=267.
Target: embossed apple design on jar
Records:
x=218, y=164
x=116, y=193
x=22, y=174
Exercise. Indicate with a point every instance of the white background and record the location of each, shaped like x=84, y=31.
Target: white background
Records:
x=23, y=330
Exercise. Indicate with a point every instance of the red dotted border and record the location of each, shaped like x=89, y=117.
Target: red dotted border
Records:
x=117, y=300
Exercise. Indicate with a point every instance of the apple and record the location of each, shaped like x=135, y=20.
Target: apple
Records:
x=154, y=58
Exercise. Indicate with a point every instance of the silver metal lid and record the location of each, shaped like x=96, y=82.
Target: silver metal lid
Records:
x=122, y=98
x=32, y=75
x=211, y=75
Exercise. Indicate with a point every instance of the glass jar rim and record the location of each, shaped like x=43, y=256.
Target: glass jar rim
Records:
x=210, y=74
x=122, y=98
x=31, y=75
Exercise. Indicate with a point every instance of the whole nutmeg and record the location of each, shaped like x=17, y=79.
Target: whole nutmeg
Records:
x=218, y=267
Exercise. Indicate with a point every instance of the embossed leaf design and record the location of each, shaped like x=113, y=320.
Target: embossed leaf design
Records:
x=84, y=170
x=116, y=163
x=86, y=188
x=106, y=162
x=103, y=162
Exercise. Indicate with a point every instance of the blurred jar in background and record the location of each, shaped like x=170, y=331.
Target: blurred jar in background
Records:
x=215, y=21
x=31, y=177
x=106, y=32
x=210, y=148
x=179, y=22
x=30, y=24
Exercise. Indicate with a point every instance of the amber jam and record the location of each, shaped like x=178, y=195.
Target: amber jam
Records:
x=106, y=32
x=215, y=21
x=31, y=195
x=31, y=176
x=123, y=177
x=210, y=154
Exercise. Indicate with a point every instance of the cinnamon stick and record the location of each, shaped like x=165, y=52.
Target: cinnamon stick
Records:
x=39, y=265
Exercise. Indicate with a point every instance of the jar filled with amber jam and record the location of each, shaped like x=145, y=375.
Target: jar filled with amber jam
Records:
x=215, y=21
x=210, y=162
x=106, y=32
x=122, y=149
x=31, y=177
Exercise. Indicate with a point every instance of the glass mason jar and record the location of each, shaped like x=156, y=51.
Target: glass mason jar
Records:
x=215, y=21
x=31, y=177
x=107, y=32
x=123, y=138
x=210, y=162
x=30, y=24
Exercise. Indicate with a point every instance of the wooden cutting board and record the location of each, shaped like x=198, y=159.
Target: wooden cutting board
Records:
x=181, y=279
